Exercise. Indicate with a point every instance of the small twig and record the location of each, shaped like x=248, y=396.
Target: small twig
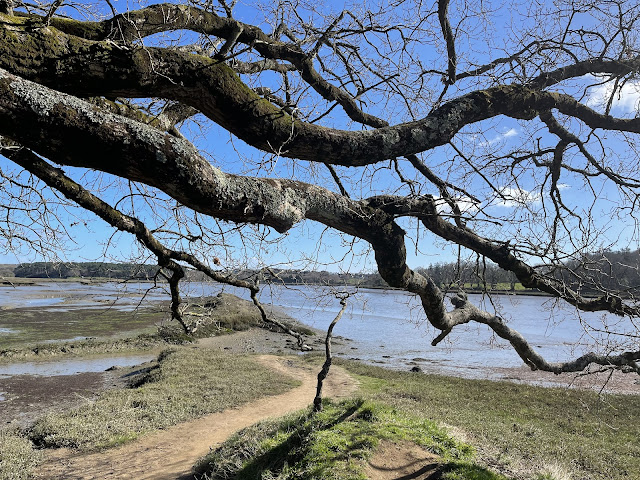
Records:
x=317, y=401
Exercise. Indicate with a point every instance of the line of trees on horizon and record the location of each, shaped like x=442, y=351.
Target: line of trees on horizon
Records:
x=120, y=271
x=603, y=270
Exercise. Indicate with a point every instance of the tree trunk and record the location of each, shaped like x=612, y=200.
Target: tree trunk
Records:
x=317, y=401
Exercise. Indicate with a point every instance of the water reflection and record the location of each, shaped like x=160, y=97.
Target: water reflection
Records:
x=387, y=326
x=72, y=367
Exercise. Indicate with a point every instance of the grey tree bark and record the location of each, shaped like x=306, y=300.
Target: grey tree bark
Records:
x=76, y=93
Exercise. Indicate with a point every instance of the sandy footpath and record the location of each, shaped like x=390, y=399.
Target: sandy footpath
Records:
x=170, y=454
x=28, y=397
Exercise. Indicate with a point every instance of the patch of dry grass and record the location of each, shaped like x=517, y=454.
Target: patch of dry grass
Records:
x=18, y=458
x=187, y=383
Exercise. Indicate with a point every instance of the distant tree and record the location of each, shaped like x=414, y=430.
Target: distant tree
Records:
x=501, y=131
x=123, y=271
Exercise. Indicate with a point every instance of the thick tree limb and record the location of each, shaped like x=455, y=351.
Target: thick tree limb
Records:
x=424, y=208
x=166, y=17
x=135, y=151
x=131, y=150
x=126, y=149
x=100, y=69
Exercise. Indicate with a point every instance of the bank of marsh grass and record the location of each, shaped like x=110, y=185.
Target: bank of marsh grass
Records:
x=520, y=428
x=219, y=315
x=187, y=383
x=333, y=444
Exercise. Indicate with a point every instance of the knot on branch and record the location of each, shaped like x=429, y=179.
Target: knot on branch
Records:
x=615, y=303
x=460, y=299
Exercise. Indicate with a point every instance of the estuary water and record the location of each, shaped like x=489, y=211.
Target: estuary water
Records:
x=390, y=327
x=384, y=326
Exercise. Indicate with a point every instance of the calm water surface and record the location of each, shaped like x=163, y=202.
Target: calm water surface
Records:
x=72, y=367
x=387, y=326
x=390, y=327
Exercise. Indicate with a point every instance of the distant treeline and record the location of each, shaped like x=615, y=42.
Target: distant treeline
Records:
x=120, y=271
x=445, y=275
x=607, y=270
x=610, y=270
x=311, y=277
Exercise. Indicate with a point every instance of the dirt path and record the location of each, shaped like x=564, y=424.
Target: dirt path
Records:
x=169, y=454
x=395, y=461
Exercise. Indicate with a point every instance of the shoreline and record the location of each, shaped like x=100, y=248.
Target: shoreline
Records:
x=26, y=397
x=35, y=281
x=253, y=341
x=261, y=341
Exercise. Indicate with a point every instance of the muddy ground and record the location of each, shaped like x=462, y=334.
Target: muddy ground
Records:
x=26, y=397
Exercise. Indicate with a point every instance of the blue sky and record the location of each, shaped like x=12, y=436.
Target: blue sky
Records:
x=90, y=235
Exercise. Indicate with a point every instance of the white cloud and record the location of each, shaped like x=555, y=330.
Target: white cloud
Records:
x=465, y=204
x=625, y=99
x=513, y=197
x=509, y=197
x=512, y=132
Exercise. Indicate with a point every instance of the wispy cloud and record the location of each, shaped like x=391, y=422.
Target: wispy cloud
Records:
x=625, y=99
x=509, y=197
x=514, y=197
x=501, y=137
x=465, y=204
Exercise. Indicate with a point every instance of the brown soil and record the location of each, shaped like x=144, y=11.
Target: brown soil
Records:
x=402, y=461
x=257, y=340
x=28, y=397
x=170, y=454
x=604, y=382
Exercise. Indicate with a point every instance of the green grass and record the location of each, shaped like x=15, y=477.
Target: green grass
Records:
x=112, y=331
x=92, y=346
x=187, y=383
x=332, y=444
x=18, y=458
x=33, y=325
x=521, y=428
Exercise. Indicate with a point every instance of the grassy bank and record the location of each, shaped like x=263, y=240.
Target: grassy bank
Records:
x=113, y=331
x=186, y=384
x=86, y=347
x=519, y=429
x=334, y=444
x=33, y=326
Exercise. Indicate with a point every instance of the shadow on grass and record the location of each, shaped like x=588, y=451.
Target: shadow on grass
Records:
x=292, y=449
x=336, y=443
x=447, y=471
x=463, y=471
